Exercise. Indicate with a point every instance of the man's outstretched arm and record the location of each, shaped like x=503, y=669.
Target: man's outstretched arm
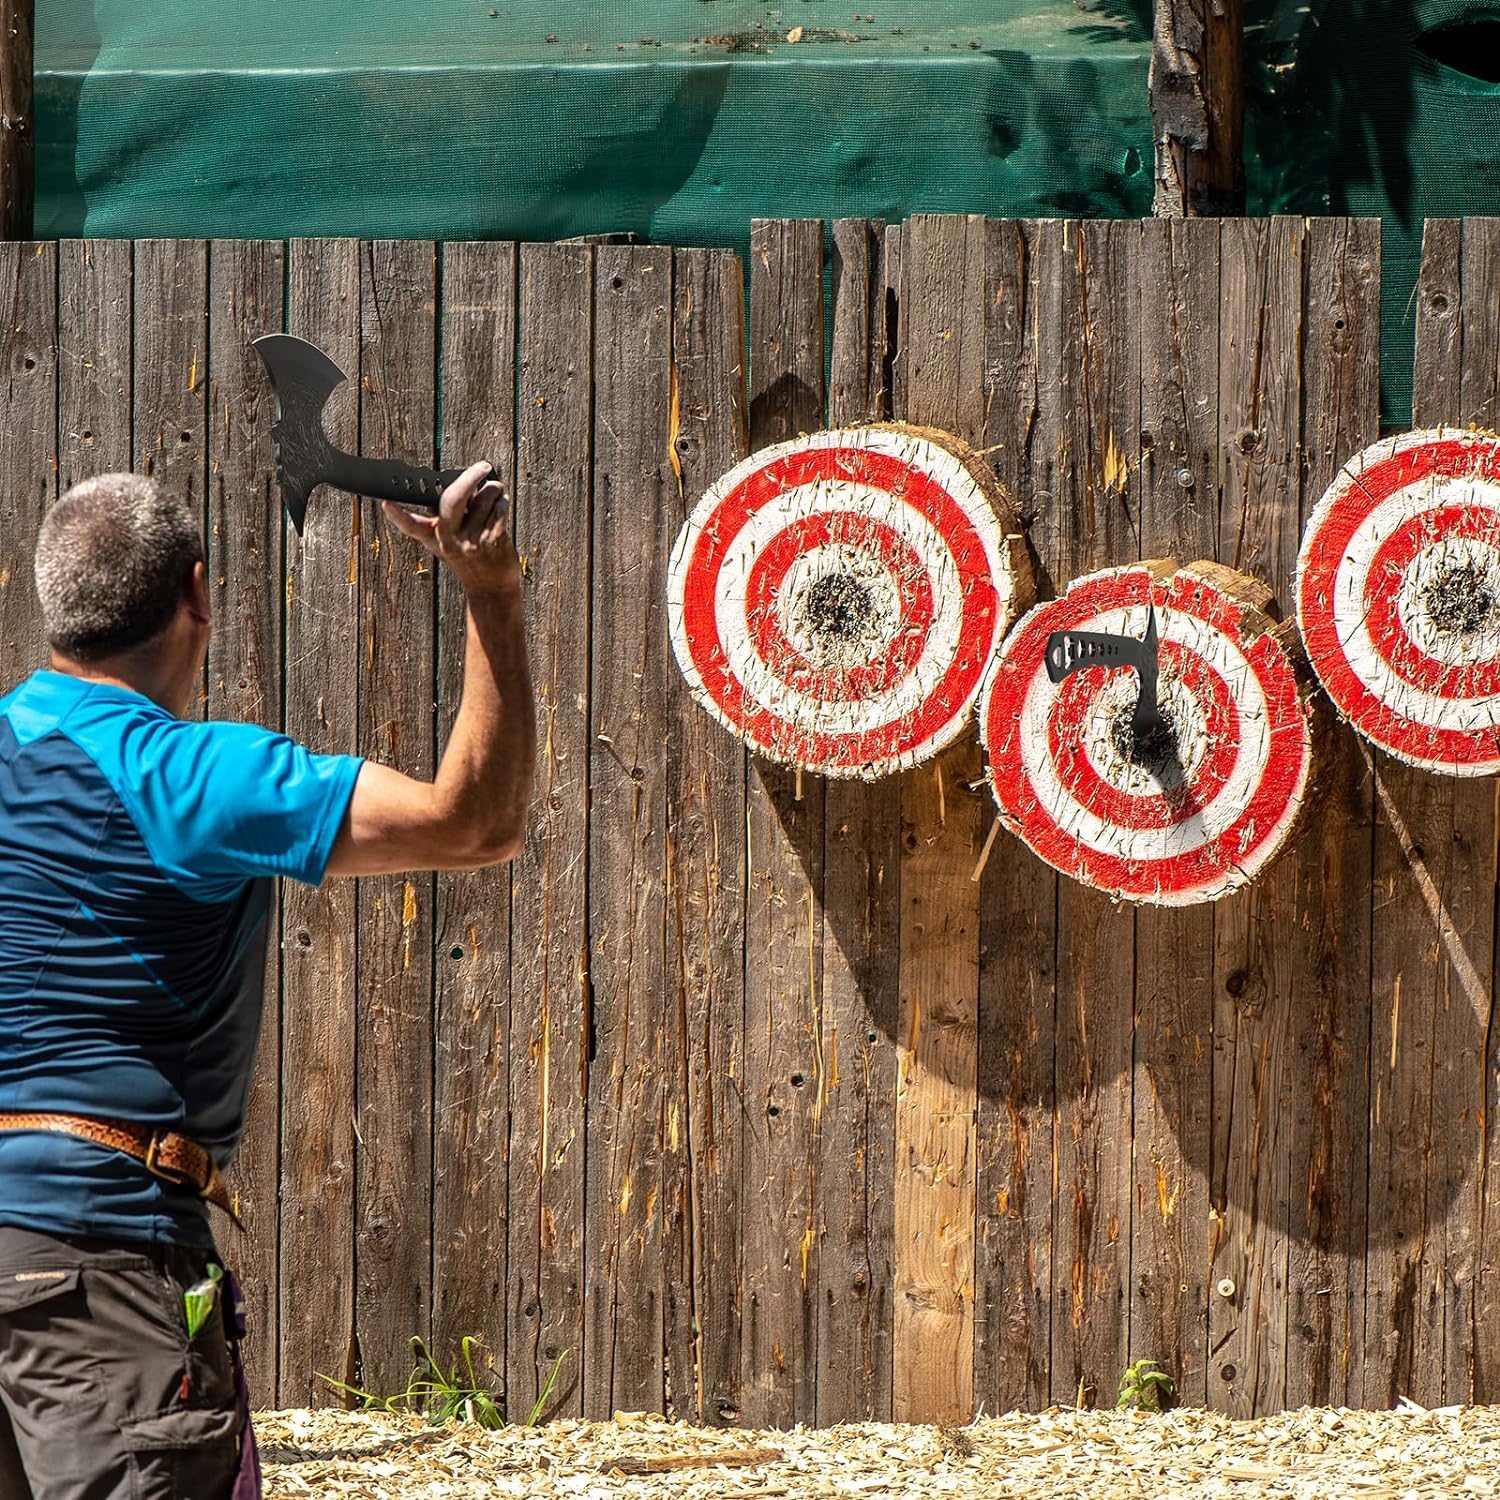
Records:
x=473, y=812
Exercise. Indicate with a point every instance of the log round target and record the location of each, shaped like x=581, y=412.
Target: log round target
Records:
x=1192, y=809
x=835, y=600
x=1398, y=596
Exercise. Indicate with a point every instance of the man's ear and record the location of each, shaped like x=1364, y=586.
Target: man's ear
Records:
x=197, y=595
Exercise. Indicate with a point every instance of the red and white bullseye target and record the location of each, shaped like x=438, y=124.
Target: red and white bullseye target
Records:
x=835, y=600
x=1398, y=596
x=1212, y=796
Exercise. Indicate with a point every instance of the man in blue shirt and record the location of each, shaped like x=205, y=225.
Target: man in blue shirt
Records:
x=137, y=853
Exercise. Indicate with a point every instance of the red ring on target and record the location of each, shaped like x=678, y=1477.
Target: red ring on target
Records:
x=835, y=600
x=1168, y=833
x=1398, y=597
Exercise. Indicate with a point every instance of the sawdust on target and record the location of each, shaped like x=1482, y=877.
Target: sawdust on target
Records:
x=1409, y=1454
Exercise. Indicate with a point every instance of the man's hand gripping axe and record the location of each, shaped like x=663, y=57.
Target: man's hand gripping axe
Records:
x=302, y=379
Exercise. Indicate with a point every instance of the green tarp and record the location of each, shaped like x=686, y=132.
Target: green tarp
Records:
x=683, y=119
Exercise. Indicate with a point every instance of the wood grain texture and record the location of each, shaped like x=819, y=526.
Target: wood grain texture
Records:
x=1328, y=936
x=550, y=1000
x=169, y=391
x=944, y=817
x=94, y=365
x=28, y=445
x=785, y=1075
x=319, y=956
x=1475, y=1212
x=1197, y=88
x=705, y=876
x=635, y=1162
x=1175, y=479
x=472, y=951
x=1258, y=459
x=1433, y=962
x=1089, y=404
x=17, y=119
x=393, y=1255
x=246, y=298
x=861, y=862
x=1018, y=936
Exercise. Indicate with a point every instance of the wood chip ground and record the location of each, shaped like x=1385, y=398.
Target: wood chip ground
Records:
x=1408, y=1454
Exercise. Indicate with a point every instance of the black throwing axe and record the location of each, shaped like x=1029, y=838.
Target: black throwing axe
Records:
x=302, y=380
x=1070, y=651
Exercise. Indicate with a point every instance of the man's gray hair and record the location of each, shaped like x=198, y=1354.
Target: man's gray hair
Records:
x=113, y=558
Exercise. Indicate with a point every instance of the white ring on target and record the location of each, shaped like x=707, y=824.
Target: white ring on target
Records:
x=763, y=684
x=1221, y=654
x=1350, y=582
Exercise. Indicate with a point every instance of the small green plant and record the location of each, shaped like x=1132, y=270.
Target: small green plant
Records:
x=452, y=1395
x=1144, y=1387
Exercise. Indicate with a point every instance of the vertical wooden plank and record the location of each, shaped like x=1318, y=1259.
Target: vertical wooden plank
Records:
x=393, y=1254
x=319, y=933
x=18, y=118
x=94, y=365
x=1174, y=946
x=1256, y=982
x=244, y=682
x=1018, y=940
x=170, y=386
x=705, y=878
x=1089, y=377
x=1476, y=1206
x=861, y=858
x=1326, y=1104
x=943, y=821
x=1432, y=971
x=28, y=445
x=634, y=1038
x=1462, y=1117
x=550, y=1032
x=784, y=1077
x=471, y=1088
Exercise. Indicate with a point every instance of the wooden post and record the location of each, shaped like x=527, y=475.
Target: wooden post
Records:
x=1198, y=108
x=16, y=132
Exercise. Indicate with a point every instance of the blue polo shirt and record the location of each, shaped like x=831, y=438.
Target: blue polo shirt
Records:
x=137, y=852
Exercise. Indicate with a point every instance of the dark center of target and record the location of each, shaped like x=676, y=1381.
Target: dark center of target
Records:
x=1155, y=751
x=839, y=610
x=1460, y=600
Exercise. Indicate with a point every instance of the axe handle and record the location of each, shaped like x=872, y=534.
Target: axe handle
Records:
x=390, y=479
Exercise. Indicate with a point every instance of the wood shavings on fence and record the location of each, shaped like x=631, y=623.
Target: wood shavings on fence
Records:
x=1408, y=1454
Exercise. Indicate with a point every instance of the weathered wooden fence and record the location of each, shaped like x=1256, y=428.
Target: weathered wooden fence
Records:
x=746, y=1100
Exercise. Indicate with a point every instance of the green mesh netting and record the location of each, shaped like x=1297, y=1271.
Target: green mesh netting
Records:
x=683, y=119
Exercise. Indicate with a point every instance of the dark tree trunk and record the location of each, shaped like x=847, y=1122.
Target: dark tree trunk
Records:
x=16, y=128
x=1198, y=108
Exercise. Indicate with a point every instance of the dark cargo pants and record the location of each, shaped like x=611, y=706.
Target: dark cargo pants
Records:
x=102, y=1394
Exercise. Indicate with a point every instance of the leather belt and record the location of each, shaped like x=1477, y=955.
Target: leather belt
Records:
x=165, y=1154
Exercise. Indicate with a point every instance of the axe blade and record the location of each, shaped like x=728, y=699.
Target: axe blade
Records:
x=302, y=380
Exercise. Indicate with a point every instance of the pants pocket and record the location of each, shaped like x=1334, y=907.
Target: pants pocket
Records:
x=186, y=1454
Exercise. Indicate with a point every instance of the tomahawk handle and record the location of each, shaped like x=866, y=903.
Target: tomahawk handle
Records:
x=1070, y=651
x=390, y=479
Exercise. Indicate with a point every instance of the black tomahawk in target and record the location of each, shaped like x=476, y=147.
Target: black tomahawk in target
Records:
x=836, y=600
x=1151, y=732
x=1398, y=596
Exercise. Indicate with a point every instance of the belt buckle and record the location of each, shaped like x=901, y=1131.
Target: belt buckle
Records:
x=157, y=1168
